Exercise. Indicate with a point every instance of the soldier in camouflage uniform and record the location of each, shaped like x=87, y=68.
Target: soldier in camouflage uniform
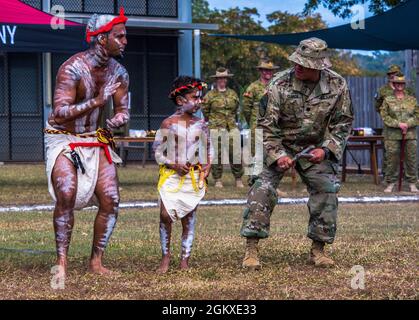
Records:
x=400, y=113
x=255, y=91
x=220, y=107
x=308, y=104
x=385, y=91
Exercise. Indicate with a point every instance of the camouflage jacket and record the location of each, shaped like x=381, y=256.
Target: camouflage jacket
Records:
x=395, y=111
x=386, y=91
x=251, y=102
x=296, y=118
x=220, y=108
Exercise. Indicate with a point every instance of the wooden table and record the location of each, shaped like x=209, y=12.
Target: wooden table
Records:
x=123, y=143
x=370, y=143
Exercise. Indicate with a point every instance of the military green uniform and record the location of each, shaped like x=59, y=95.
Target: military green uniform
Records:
x=296, y=117
x=382, y=93
x=251, y=102
x=393, y=112
x=220, y=108
x=386, y=91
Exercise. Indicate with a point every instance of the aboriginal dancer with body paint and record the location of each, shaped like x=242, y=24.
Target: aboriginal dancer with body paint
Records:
x=79, y=156
x=183, y=151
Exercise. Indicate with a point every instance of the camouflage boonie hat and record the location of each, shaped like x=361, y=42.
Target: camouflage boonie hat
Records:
x=394, y=68
x=222, y=73
x=398, y=79
x=312, y=53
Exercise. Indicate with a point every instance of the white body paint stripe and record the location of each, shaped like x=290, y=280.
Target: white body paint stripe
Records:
x=226, y=202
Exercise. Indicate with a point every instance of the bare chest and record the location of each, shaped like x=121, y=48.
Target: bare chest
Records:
x=90, y=84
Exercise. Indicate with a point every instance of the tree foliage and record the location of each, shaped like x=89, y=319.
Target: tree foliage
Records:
x=377, y=64
x=200, y=10
x=342, y=8
x=241, y=56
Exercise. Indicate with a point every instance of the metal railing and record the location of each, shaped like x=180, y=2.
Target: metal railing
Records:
x=33, y=3
x=148, y=8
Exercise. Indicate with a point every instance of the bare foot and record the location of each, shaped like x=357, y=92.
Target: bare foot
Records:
x=164, y=264
x=184, y=264
x=60, y=272
x=96, y=267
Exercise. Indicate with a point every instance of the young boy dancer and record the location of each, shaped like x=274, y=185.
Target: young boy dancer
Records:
x=182, y=149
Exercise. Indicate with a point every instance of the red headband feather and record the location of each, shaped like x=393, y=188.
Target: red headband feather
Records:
x=108, y=27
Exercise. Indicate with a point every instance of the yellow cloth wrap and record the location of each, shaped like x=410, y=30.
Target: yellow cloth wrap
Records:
x=180, y=195
x=165, y=173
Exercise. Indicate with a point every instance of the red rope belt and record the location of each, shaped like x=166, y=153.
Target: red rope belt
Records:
x=74, y=145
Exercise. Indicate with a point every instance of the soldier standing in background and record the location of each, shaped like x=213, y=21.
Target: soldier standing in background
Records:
x=255, y=91
x=308, y=104
x=385, y=91
x=220, y=107
x=400, y=113
x=251, y=103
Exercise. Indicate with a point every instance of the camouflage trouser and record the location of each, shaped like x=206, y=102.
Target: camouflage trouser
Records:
x=393, y=160
x=217, y=169
x=322, y=184
x=384, y=163
x=383, y=167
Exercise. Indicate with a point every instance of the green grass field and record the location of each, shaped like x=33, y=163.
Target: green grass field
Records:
x=18, y=183
x=382, y=238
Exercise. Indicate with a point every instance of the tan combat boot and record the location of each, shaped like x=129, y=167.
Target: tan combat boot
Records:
x=389, y=188
x=239, y=183
x=318, y=256
x=413, y=188
x=251, y=259
x=218, y=183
